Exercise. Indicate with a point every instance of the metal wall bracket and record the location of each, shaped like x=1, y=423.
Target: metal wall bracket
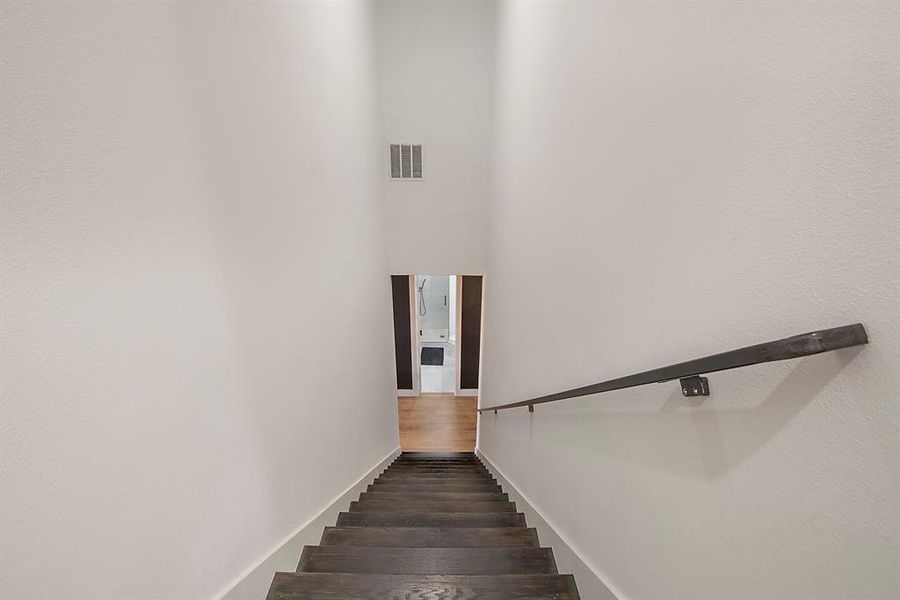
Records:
x=694, y=386
x=531, y=408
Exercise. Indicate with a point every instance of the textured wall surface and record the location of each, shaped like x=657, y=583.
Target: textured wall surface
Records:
x=674, y=180
x=435, y=76
x=190, y=214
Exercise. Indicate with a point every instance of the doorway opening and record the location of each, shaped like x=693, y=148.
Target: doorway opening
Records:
x=437, y=344
x=436, y=333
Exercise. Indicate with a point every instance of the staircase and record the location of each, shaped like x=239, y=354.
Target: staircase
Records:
x=434, y=525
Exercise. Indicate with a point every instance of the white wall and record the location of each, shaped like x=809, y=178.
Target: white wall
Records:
x=673, y=180
x=191, y=209
x=451, y=300
x=435, y=62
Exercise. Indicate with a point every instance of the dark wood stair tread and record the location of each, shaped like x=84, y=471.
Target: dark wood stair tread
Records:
x=346, y=586
x=431, y=537
x=438, y=455
x=436, y=473
x=429, y=519
x=431, y=480
x=437, y=477
x=434, y=495
x=431, y=506
x=439, y=463
x=458, y=466
x=434, y=487
x=440, y=477
x=441, y=470
x=426, y=561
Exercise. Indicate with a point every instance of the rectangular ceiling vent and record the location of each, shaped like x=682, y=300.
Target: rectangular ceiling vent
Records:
x=406, y=162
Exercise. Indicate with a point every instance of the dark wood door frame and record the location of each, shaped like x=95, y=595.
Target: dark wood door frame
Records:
x=469, y=338
x=403, y=302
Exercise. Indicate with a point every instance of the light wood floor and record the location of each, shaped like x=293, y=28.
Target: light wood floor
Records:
x=437, y=422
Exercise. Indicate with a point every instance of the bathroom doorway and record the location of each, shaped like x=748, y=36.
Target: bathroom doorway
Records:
x=437, y=333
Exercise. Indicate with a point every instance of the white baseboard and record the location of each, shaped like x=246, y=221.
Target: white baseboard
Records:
x=254, y=583
x=466, y=392
x=590, y=584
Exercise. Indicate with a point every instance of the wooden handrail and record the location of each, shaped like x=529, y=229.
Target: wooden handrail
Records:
x=795, y=346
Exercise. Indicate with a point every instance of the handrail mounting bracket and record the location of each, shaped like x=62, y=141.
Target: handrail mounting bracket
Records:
x=694, y=386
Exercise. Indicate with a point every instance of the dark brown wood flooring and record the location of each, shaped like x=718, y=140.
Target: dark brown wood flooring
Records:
x=433, y=525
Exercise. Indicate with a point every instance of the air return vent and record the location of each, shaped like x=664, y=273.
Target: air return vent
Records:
x=406, y=161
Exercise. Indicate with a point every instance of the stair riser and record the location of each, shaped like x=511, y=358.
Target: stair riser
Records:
x=433, y=474
x=436, y=463
x=433, y=506
x=418, y=465
x=328, y=586
x=440, y=478
x=431, y=537
x=436, y=472
x=427, y=561
x=411, y=489
x=401, y=461
x=441, y=460
x=437, y=455
x=429, y=496
x=415, y=468
x=431, y=481
x=462, y=463
x=429, y=519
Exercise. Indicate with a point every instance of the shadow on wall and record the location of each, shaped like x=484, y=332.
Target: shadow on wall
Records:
x=723, y=437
